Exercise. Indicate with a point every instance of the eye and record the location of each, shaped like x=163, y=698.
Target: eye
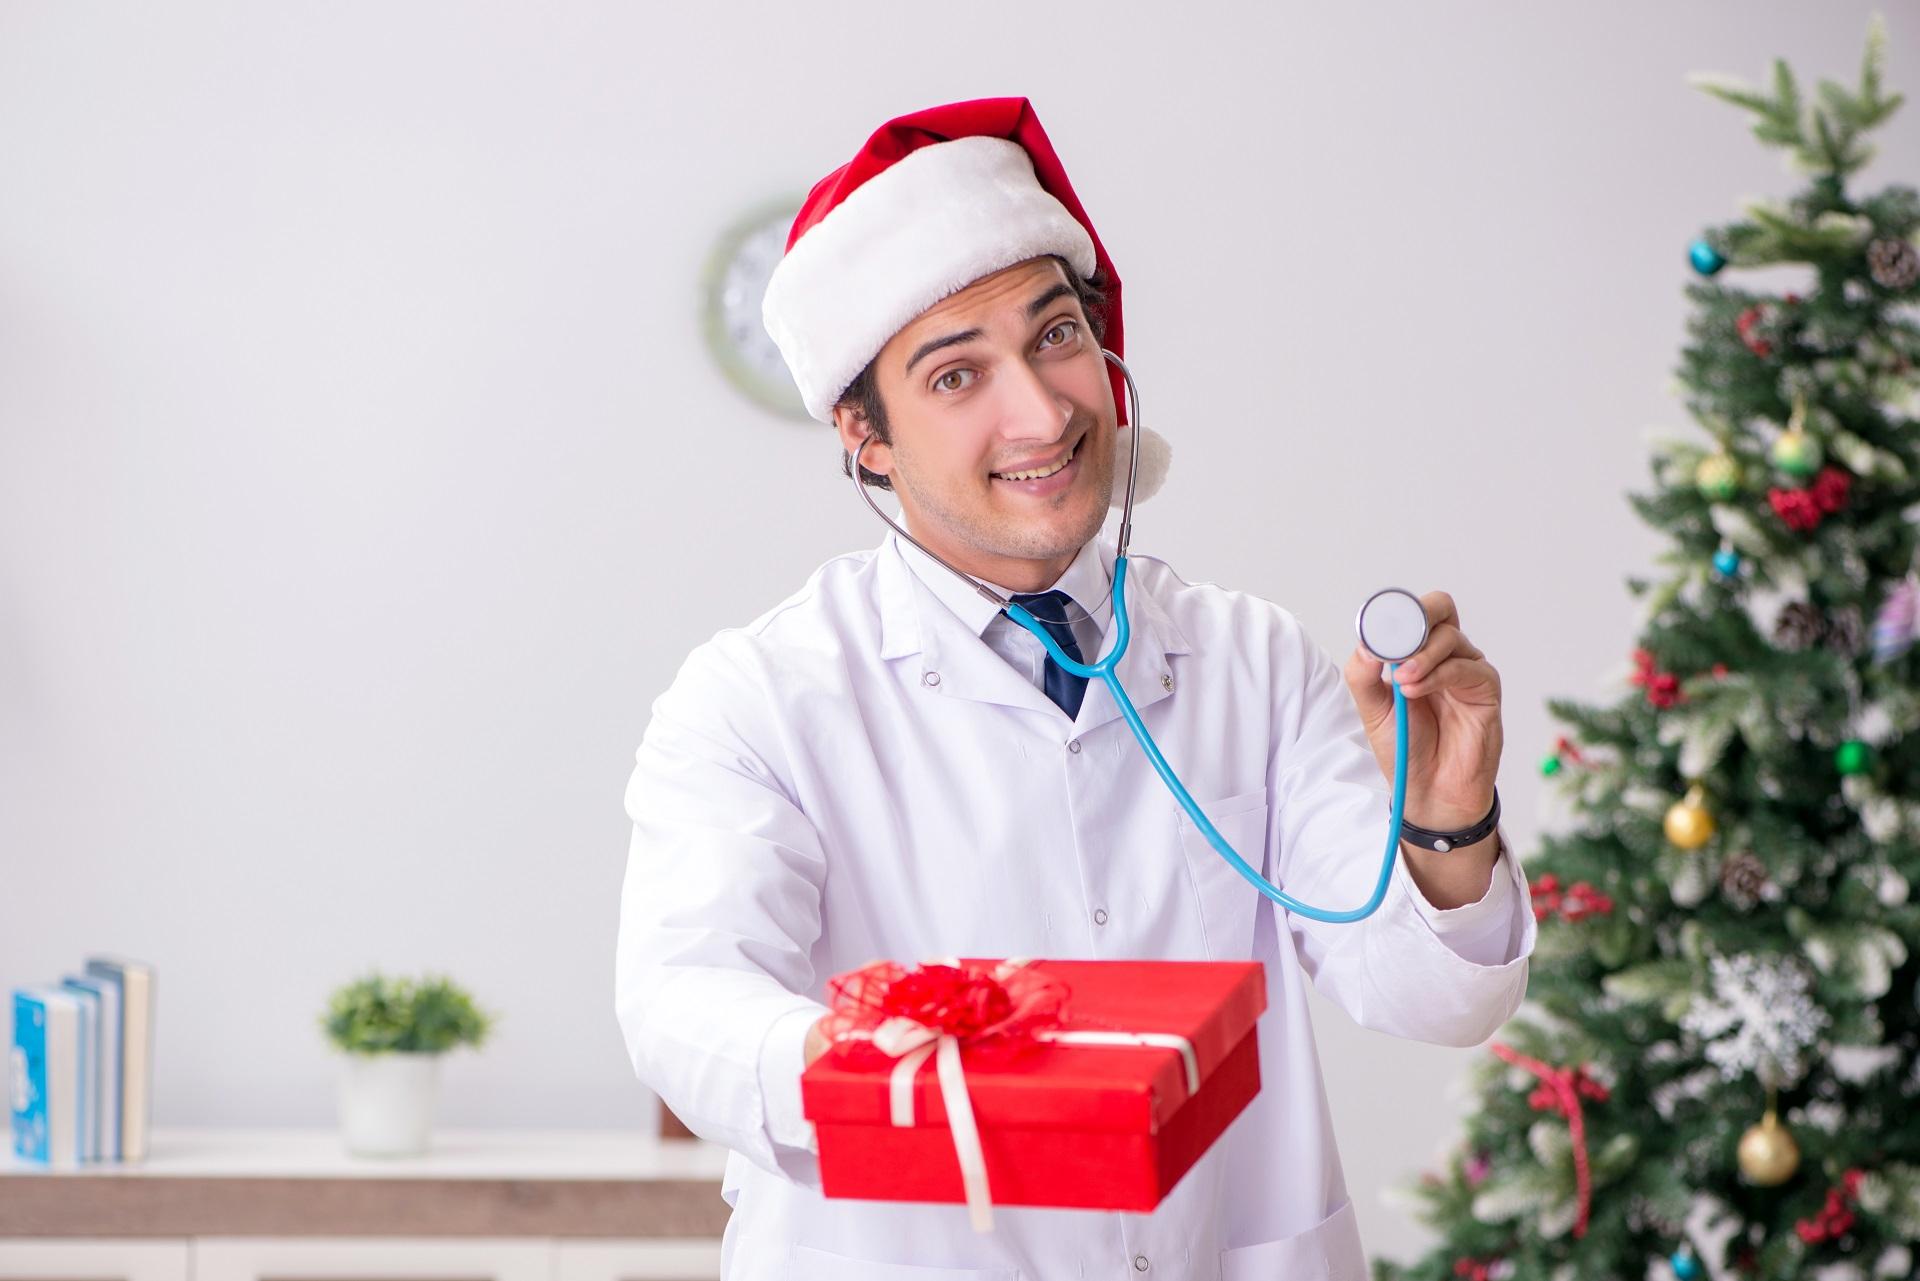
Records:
x=941, y=383
x=1070, y=326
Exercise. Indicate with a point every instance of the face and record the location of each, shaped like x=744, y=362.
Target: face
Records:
x=1002, y=377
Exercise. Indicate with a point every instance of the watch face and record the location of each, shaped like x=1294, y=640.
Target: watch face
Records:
x=734, y=282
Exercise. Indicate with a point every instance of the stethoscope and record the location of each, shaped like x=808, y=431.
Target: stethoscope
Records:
x=1392, y=624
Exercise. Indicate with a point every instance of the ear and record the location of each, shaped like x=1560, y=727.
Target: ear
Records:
x=852, y=429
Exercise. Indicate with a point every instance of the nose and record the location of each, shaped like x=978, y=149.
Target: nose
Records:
x=1031, y=406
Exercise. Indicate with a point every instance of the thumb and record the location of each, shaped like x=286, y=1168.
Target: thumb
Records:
x=1372, y=695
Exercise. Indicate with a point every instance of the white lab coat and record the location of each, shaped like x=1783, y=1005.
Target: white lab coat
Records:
x=856, y=774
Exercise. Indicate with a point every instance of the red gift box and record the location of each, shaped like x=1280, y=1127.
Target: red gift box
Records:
x=1078, y=1084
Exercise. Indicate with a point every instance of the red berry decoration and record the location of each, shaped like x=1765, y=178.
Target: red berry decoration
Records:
x=1748, y=322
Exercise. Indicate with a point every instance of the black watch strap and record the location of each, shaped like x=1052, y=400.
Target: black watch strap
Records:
x=1427, y=838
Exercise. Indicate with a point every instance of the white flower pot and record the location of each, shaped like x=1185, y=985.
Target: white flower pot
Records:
x=387, y=1101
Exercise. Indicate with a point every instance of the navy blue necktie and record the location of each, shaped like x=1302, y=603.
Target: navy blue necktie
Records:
x=1063, y=687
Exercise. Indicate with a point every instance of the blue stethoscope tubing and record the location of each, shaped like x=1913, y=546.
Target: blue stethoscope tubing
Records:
x=1104, y=669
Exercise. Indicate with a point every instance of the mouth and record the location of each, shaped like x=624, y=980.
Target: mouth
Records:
x=1044, y=480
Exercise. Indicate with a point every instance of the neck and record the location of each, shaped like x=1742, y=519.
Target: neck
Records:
x=1010, y=573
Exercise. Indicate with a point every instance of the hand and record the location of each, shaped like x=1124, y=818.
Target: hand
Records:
x=817, y=1042
x=1453, y=720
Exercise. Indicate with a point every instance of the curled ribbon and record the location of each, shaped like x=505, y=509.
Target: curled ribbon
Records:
x=935, y=1009
x=1561, y=1090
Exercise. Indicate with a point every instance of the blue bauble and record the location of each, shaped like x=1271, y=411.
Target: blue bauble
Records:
x=1685, y=1266
x=1726, y=562
x=1705, y=258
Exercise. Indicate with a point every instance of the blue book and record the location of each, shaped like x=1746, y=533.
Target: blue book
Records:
x=92, y=1067
x=108, y=1042
x=46, y=1076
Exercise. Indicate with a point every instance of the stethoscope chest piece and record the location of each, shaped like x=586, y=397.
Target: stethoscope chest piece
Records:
x=1392, y=624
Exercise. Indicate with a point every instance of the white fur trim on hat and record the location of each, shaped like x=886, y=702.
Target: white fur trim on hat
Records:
x=929, y=225
x=1156, y=456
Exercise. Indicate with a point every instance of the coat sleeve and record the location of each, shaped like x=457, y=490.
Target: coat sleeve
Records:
x=719, y=911
x=1449, y=977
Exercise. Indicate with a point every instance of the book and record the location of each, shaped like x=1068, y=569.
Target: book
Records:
x=94, y=1107
x=87, y=1109
x=108, y=1042
x=46, y=1090
x=137, y=987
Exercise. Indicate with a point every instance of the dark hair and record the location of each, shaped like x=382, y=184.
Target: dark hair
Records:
x=862, y=395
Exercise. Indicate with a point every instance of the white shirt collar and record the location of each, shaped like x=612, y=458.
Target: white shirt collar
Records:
x=1086, y=581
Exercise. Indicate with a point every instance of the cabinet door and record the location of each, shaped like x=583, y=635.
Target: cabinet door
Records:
x=637, y=1261
x=35, y=1259
x=372, y=1259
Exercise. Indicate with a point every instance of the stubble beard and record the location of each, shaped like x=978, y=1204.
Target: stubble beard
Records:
x=996, y=533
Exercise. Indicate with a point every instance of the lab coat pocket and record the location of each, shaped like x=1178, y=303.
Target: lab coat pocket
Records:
x=809, y=1264
x=1330, y=1250
x=1229, y=904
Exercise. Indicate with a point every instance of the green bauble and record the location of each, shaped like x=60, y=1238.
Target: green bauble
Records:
x=1718, y=476
x=1550, y=765
x=1853, y=757
x=1796, y=453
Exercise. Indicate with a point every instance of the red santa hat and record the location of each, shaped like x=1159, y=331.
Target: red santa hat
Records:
x=934, y=201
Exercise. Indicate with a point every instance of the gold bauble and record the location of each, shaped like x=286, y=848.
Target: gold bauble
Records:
x=1689, y=824
x=1717, y=477
x=1768, y=1154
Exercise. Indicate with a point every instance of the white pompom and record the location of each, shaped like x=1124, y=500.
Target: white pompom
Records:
x=1155, y=458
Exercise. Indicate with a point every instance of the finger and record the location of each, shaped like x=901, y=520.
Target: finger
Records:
x=1440, y=609
x=1466, y=676
x=1372, y=697
x=1443, y=642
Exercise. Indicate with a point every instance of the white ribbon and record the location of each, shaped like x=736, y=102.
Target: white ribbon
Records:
x=911, y=1042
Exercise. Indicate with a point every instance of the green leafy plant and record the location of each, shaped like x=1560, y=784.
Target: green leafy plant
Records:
x=376, y=1014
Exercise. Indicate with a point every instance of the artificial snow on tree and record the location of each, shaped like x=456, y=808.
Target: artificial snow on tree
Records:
x=1717, y=1070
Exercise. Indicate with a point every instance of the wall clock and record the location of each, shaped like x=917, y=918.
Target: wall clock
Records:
x=732, y=284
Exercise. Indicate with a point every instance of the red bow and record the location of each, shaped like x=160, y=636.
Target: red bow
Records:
x=972, y=1002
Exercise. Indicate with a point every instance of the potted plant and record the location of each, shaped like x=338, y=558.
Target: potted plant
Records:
x=392, y=1033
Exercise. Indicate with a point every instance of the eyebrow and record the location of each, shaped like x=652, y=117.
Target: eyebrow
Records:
x=1060, y=290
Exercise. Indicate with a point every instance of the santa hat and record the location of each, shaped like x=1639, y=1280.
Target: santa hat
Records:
x=934, y=201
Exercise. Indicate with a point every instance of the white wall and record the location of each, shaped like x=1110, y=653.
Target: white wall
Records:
x=363, y=480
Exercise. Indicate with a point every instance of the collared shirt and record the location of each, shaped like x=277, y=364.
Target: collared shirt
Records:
x=1085, y=580
x=859, y=773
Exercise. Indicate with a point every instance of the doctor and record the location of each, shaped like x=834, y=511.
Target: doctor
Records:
x=882, y=765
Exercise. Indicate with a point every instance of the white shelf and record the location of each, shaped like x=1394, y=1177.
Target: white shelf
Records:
x=452, y=1154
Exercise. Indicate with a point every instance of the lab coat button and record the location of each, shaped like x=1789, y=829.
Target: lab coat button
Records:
x=1073, y=745
x=1099, y=916
x=1139, y=1263
x=930, y=678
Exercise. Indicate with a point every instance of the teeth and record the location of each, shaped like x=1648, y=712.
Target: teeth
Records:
x=1040, y=475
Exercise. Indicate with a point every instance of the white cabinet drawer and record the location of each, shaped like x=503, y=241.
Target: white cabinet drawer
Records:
x=48, y=1259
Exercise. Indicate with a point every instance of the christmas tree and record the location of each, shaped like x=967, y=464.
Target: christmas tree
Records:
x=1717, y=1069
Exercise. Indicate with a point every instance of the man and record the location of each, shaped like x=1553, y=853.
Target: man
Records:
x=885, y=766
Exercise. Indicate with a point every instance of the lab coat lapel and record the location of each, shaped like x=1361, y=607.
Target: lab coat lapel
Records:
x=953, y=661
x=1145, y=670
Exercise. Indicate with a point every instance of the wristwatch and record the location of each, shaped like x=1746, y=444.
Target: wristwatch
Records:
x=1427, y=838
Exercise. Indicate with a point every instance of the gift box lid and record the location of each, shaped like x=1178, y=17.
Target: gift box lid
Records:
x=1213, y=1004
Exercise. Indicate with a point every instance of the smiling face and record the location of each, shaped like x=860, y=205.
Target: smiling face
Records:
x=987, y=394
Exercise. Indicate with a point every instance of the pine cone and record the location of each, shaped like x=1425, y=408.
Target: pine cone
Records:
x=1799, y=626
x=1845, y=631
x=1742, y=878
x=1893, y=263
